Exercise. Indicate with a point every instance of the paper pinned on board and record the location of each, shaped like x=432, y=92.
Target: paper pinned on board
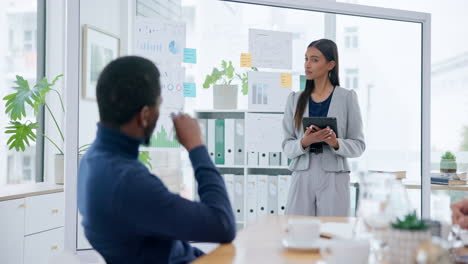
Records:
x=265, y=132
x=270, y=49
x=159, y=40
x=265, y=91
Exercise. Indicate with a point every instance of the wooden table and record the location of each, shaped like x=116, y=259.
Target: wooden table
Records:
x=261, y=243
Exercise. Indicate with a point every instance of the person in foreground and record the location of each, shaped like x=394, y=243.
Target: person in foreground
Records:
x=129, y=216
x=460, y=213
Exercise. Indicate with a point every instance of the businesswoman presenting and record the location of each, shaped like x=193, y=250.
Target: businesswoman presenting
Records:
x=320, y=183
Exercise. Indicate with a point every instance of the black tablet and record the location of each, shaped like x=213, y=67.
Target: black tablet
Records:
x=321, y=122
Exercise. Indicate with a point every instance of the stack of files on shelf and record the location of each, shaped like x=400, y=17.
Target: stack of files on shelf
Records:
x=252, y=158
x=211, y=138
x=266, y=159
x=203, y=123
x=229, y=141
x=272, y=206
x=274, y=159
x=252, y=192
x=263, y=159
x=262, y=195
x=219, y=142
x=239, y=130
x=284, y=160
x=224, y=139
x=229, y=182
x=239, y=197
x=284, y=182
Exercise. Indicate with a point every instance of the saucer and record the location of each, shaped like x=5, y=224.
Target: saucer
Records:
x=304, y=245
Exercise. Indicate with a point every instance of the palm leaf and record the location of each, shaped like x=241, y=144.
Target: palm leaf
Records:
x=21, y=134
x=15, y=102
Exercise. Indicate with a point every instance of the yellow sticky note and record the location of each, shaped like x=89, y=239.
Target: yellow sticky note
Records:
x=286, y=80
x=246, y=60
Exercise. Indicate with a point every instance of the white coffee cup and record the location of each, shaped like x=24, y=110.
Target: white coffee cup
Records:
x=303, y=229
x=348, y=251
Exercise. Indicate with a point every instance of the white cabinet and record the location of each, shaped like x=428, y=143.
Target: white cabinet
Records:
x=38, y=248
x=12, y=231
x=44, y=212
x=31, y=228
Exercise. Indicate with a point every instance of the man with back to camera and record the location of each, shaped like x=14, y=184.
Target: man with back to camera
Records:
x=129, y=216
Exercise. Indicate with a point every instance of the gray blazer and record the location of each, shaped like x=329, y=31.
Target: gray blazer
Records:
x=345, y=107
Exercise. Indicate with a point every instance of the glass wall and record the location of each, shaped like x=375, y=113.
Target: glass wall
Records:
x=383, y=68
x=18, y=49
x=449, y=93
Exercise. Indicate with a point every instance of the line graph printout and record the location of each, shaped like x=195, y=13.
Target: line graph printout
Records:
x=161, y=41
x=264, y=132
x=164, y=134
x=270, y=49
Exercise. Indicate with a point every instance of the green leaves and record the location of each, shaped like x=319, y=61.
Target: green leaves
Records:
x=21, y=134
x=228, y=69
x=226, y=75
x=410, y=222
x=15, y=102
x=145, y=158
x=245, y=81
x=213, y=78
x=35, y=97
x=448, y=155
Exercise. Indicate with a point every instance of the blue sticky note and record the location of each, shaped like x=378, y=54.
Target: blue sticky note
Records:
x=190, y=90
x=190, y=55
x=302, y=82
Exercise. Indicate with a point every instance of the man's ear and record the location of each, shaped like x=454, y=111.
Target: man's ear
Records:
x=144, y=116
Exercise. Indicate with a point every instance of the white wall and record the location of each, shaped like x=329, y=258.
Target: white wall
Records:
x=105, y=15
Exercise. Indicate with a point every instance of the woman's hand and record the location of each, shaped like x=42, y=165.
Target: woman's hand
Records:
x=331, y=140
x=314, y=134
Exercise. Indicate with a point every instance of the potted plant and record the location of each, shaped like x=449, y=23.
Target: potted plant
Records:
x=224, y=92
x=405, y=237
x=448, y=163
x=21, y=130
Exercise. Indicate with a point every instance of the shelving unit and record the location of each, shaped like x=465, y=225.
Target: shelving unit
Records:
x=244, y=169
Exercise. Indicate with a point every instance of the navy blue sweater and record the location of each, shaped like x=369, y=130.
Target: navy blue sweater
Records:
x=129, y=216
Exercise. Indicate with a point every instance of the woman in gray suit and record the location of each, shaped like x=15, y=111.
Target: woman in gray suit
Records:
x=320, y=183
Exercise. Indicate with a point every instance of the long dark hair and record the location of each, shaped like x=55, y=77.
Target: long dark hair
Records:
x=330, y=51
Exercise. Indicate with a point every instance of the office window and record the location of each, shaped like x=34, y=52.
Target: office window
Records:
x=18, y=44
x=352, y=78
x=449, y=101
x=351, y=38
x=27, y=170
x=28, y=40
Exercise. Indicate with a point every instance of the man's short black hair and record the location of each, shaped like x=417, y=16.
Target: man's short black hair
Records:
x=125, y=86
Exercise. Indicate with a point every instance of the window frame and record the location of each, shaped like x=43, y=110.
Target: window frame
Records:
x=40, y=74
